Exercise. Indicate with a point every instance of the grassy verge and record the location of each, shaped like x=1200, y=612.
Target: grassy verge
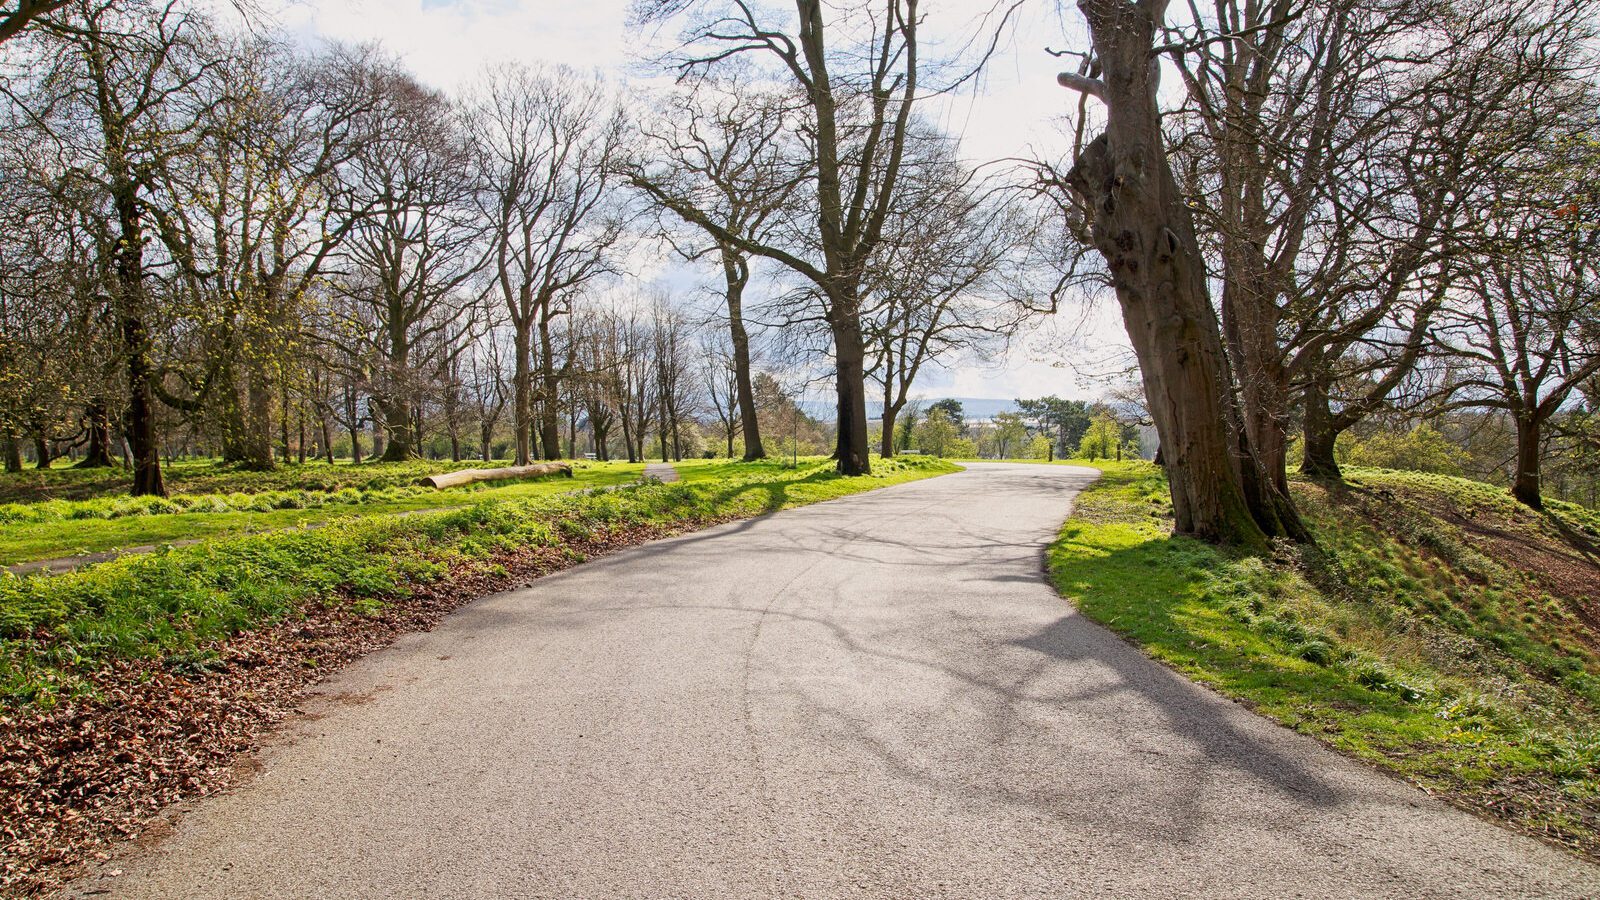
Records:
x=1393, y=640
x=176, y=604
x=210, y=476
x=59, y=528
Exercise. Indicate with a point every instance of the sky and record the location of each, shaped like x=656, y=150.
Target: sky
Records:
x=1014, y=111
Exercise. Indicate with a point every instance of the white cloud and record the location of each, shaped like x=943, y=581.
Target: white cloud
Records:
x=447, y=43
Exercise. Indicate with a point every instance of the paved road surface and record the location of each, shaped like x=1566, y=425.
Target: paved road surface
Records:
x=661, y=471
x=873, y=697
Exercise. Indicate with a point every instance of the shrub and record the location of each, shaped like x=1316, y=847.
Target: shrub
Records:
x=1422, y=449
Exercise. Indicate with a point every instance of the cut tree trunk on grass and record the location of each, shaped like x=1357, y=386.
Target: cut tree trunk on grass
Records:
x=470, y=476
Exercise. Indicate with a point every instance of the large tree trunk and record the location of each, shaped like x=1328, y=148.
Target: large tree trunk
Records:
x=140, y=428
x=1149, y=245
x=13, y=452
x=851, y=450
x=1266, y=493
x=549, y=409
x=891, y=412
x=1144, y=230
x=522, y=395
x=97, y=421
x=228, y=408
x=550, y=430
x=1317, y=447
x=1146, y=234
x=602, y=439
x=1525, y=485
x=41, y=450
x=399, y=441
x=1263, y=381
x=737, y=274
x=255, y=439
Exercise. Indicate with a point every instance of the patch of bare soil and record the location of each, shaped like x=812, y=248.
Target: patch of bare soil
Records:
x=77, y=778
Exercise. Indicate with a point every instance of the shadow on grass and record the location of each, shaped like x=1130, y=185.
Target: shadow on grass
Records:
x=773, y=494
x=1149, y=593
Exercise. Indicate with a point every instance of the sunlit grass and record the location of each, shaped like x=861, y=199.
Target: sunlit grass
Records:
x=174, y=604
x=22, y=541
x=1377, y=641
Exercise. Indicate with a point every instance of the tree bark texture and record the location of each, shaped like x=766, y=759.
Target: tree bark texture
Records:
x=1146, y=235
x=736, y=273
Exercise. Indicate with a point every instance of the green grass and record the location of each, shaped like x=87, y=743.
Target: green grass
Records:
x=1393, y=640
x=207, y=476
x=60, y=528
x=174, y=605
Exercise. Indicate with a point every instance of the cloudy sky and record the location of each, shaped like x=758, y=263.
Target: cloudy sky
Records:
x=1014, y=111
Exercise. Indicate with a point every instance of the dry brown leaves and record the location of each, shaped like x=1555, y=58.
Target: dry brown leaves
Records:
x=77, y=778
x=1531, y=804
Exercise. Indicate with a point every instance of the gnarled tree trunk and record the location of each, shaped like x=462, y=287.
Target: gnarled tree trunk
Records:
x=97, y=422
x=1140, y=224
x=1317, y=448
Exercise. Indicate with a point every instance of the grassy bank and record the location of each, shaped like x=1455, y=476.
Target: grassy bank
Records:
x=256, y=502
x=178, y=603
x=211, y=476
x=1402, y=638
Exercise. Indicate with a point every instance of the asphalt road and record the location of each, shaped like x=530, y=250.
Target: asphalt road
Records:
x=878, y=696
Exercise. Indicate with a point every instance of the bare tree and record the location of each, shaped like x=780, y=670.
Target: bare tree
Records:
x=1136, y=217
x=1523, y=331
x=597, y=344
x=634, y=383
x=674, y=389
x=721, y=375
x=858, y=99
x=1331, y=151
x=545, y=141
x=487, y=388
x=409, y=258
x=115, y=100
x=263, y=217
x=950, y=278
x=725, y=150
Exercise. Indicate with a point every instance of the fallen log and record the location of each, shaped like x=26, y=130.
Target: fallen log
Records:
x=469, y=476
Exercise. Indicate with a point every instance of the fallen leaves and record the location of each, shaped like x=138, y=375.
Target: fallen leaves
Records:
x=76, y=779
